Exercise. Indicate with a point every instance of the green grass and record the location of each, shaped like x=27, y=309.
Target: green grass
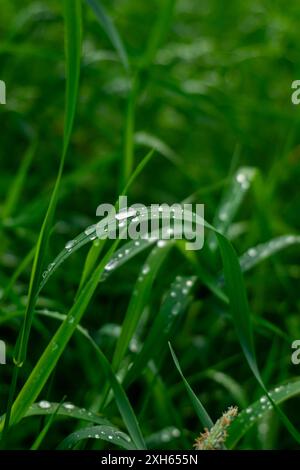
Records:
x=143, y=345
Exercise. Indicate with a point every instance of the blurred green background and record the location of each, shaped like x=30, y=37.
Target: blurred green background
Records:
x=215, y=96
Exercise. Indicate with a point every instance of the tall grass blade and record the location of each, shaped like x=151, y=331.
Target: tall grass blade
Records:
x=110, y=29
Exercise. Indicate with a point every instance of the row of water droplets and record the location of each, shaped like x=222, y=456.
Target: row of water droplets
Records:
x=264, y=250
x=257, y=411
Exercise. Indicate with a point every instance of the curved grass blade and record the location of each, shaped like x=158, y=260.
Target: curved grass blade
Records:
x=105, y=433
x=240, y=311
x=158, y=32
x=68, y=410
x=255, y=412
x=111, y=31
x=198, y=407
x=95, y=251
x=173, y=307
x=231, y=201
x=260, y=252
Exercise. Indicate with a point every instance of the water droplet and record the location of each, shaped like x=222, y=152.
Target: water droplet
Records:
x=184, y=291
x=125, y=214
x=263, y=399
x=223, y=216
x=71, y=320
x=69, y=245
x=88, y=231
x=137, y=243
x=69, y=406
x=173, y=294
x=176, y=309
x=110, y=437
x=249, y=410
x=241, y=178
x=44, y=275
x=165, y=437
x=51, y=266
x=133, y=345
x=120, y=255
x=161, y=243
x=45, y=405
x=252, y=252
x=111, y=265
x=189, y=283
x=146, y=269
x=97, y=436
x=176, y=432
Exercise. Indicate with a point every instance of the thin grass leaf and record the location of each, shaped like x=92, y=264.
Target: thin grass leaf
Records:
x=231, y=201
x=110, y=29
x=198, y=407
x=16, y=187
x=128, y=157
x=151, y=141
x=258, y=410
x=41, y=436
x=73, y=55
x=105, y=433
x=159, y=31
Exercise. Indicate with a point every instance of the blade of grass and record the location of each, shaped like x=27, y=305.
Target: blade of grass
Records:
x=198, y=407
x=256, y=411
x=105, y=433
x=18, y=183
x=110, y=29
x=73, y=55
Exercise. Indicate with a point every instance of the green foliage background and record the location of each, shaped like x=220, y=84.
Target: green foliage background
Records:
x=211, y=93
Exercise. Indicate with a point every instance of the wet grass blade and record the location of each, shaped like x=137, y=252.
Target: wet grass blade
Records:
x=105, y=433
x=67, y=410
x=242, y=320
x=256, y=412
x=231, y=201
x=198, y=407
